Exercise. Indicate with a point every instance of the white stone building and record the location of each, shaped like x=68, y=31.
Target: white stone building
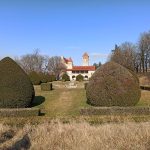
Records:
x=85, y=70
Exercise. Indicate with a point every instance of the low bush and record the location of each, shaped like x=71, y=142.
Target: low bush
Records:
x=35, y=78
x=20, y=112
x=46, y=86
x=79, y=78
x=65, y=77
x=115, y=111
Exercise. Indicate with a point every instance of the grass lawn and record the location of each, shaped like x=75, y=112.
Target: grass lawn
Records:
x=62, y=102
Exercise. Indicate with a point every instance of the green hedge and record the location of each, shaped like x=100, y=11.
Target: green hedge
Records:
x=65, y=77
x=79, y=78
x=35, y=78
x=46, y=86
x=85, y=85
x=116, y=111
x=144, y=87
x=19, y=112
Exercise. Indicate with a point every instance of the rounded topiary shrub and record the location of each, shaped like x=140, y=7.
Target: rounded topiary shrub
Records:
x=16, y=89
x=43, y=77
x=65, y=77
x=79, y=78
x=113, y=85
x=35, y=78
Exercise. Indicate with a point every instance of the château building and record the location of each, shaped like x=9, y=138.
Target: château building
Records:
x=85, y=70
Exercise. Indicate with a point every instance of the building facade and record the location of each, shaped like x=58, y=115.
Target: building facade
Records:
x=85, y=70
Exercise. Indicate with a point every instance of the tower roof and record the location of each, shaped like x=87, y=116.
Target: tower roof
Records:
x=85, y=54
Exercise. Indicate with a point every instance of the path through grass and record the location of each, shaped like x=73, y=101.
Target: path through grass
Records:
x=62, y=102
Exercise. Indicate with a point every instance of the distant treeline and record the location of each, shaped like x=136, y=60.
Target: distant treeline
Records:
x=135, y=57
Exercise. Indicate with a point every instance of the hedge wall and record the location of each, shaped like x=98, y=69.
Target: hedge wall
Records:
x=115, y=111
x=46, y=86
x=19, y=112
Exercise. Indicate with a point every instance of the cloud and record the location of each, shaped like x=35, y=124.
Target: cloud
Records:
x=99, y=55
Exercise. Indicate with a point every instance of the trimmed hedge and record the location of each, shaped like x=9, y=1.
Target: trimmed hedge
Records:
x=79, y=78
x=85, y=85
x=116, y=111
x=65, y=77
x=144, y=87
x=20, y=112
x=43, y=77
x=46, y=86
x=35, y=78
x=113, y=85
x=16, y=89
x=52, y=78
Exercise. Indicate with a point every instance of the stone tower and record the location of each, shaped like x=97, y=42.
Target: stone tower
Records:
x=85, y=59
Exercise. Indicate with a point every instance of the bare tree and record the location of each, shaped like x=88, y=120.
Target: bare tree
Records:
x=56, y=66
x=125, y=55
x=144, y=50
x=33, y=62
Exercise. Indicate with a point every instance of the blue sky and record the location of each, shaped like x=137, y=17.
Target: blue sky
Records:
x=70, y=27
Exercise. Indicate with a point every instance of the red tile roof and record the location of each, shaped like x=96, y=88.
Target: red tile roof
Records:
x=68, y=60
x=78, y=68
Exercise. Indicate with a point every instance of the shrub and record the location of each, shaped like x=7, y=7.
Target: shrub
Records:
x=46, y=86
x=115, y=111
x=85, y=85
x=16, y=89
x=79, y=78
x=65, y=77
x=43, y=77
x=113, y=85
x=35, y=78
x=20, y=112
x=53, y=77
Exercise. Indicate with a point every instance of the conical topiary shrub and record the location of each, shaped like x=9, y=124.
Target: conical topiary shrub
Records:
x=113, y=85
x=16, y=89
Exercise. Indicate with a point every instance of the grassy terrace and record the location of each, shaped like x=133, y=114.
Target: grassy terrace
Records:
x=63, y=103
x=60, y=102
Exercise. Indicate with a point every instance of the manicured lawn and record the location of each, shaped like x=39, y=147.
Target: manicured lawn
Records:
x=62, y=102
x=145, y=98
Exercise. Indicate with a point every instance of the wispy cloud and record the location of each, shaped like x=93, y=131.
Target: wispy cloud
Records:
x=99, y=55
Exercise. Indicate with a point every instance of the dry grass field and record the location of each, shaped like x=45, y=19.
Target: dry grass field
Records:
x=78, y=136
